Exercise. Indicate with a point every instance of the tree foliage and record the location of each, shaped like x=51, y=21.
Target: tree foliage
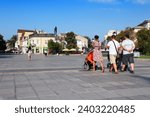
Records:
x=71, y=41
x=89, y=42
x=132, y=35
x=143, y=37
x=2, y=43
x=128, y=31
x=12, y=41
x=54, y=47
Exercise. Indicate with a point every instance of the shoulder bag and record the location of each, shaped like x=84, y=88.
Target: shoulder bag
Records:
x=116, y=50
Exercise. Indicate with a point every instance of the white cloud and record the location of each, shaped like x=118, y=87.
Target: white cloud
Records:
x=121, y=1
x=141, y=1
x=103, y=1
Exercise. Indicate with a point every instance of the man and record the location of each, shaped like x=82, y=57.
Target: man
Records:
x=113, y=47
x=128, y=56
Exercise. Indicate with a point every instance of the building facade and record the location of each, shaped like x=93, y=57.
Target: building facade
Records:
x=37, y=39
x=145, y=24
x=22, y=39
x=110, y=33
x=138, y=28
x=82, y=42
x=39, y=42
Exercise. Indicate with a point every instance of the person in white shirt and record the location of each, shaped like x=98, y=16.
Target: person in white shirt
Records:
x=128, y=56
x=113, y=47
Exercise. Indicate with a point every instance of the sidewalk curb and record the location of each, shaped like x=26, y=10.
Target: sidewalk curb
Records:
x=139, y=59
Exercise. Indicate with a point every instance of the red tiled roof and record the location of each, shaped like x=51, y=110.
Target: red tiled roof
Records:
x=23, y=30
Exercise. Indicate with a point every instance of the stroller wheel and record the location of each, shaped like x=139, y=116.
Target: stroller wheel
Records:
x=86, y=66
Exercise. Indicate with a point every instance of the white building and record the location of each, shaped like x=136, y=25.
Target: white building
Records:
x=143, y=25
x=111, y=32
x=22, y=38
x=40, y=42
x=82, y=42
x=138, y=28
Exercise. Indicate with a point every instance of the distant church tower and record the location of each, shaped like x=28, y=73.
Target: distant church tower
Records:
x=55, y=31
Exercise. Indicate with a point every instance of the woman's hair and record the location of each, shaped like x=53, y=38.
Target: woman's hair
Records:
x=96, y=37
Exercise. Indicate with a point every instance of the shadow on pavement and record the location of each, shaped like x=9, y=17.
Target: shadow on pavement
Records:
x=142, y=77
x=142, y=66
x=6, y=56
x=39, y=70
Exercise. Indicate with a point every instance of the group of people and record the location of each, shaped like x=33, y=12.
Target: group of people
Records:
x=120, y=54
x=124, y=49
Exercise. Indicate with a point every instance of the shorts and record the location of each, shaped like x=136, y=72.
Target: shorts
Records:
x=128, y=58
x=113, y=59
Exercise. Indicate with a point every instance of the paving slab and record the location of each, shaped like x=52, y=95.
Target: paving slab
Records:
x=62, y=78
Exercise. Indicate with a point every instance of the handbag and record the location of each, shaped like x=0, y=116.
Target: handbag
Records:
x=116, y=50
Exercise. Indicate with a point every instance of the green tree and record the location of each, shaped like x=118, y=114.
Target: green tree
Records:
x=132, y=35
x=2, y=43
x=89, y=42
x=122, y=34
x=12, y=41
x=71, y=41
x=54, y=47
x=143, y=37
x=50, y=44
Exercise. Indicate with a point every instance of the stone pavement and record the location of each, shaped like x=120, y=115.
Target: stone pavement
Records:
x=62, y=78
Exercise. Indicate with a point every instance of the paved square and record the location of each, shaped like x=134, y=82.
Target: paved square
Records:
x=62, y=78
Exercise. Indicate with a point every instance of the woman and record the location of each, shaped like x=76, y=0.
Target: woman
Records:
x=97, y=54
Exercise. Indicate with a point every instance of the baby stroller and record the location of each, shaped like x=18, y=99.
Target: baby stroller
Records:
x=88, y=64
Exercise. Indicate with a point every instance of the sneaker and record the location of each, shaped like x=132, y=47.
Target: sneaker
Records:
x=122, y=70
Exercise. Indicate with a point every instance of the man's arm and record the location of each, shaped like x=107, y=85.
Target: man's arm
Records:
x=133, y=47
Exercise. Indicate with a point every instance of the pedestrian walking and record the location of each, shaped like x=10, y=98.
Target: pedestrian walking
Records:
x=128, y=56
x=113, y=47
x=97, y=54
x=29, y=53
x=45, y=52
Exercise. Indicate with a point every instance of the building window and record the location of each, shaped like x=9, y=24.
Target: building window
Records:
x=37, y=50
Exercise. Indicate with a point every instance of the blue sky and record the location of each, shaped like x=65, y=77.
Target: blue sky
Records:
x=84, y=17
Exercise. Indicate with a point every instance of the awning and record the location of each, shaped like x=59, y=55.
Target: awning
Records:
x=72, y=49
x=65, y=49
